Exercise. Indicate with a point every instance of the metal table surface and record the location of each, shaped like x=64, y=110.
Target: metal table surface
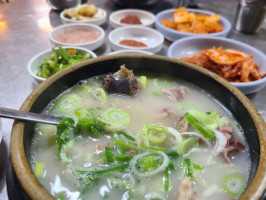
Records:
x=24, y=31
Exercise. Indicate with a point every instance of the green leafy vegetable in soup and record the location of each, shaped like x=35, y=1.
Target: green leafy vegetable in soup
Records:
x=60, y=59
x=112, y=146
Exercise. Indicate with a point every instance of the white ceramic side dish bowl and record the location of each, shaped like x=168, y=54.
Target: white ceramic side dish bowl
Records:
x=147, y=18
x=152, y=38
x=172, y=35
x=98, y=19
x=37, y=60
x=189, y=46
x=92, y=45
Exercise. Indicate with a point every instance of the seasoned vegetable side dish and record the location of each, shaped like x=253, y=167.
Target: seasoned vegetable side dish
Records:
x=140, y=137
x=190, y=22
x=232, y=65
x=60, y=59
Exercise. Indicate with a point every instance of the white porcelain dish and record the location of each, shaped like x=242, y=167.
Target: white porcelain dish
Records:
x=98, y=19
x=147, y=18
x=75, y=27
x=37, y=60
x=172, y=35
x=189, y=46
x=152, y=38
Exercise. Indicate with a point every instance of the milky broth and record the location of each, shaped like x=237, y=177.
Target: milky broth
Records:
x=145, y=108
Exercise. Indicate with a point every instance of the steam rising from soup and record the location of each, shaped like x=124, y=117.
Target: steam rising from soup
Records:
x=169, y=141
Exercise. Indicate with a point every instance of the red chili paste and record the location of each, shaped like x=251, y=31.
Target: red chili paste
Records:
x=132, y=43
x=130, y=19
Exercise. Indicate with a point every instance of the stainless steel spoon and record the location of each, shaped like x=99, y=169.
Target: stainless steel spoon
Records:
x=28, y=116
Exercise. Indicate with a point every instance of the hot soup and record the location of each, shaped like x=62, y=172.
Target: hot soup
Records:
x=168, y=140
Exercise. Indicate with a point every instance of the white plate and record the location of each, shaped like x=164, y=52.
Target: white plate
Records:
x=99, y=18
x=146, y=18
x=79, y=26
x=152, y=38
x=173, y=35
x=37, y=60
x=191, y=45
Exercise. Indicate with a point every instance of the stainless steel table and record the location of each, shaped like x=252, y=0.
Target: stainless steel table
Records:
x=24, y=31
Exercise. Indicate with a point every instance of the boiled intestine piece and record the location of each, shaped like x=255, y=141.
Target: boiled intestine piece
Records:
x=122, y=82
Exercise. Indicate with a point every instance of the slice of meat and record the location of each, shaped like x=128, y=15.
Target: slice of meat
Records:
x=186, y=190
x=233, y=145
x=170, y=112
x=182, y=125
x=175, y=94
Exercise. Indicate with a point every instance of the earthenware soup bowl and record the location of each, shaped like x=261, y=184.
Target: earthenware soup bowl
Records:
x=230, y=97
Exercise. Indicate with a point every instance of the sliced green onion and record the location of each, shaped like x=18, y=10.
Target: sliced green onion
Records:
x=125, y=145
x=193, y=122
x=126, y=135
x=234, y=184
x=153, y=134
x=123, y=158
x=143, y=81
x=149, y=164
x=68, y=102
x=189, y=167
x=84, y=116
x=207, y=119
x=84, y=88
x=116, y=168
x=198, y=167
x=173, y=154
x=86, y=120
x=171, y=165
x=38, y=169
x=222, y=121
x=166, y=180
x=118, y=116
x=109, y=155
x=154, y=148
x=156, y=137
x=157, y=94
x=64, y=130
x=185, y=146
x=102, y=93
x=113, y=120
x=121, y=150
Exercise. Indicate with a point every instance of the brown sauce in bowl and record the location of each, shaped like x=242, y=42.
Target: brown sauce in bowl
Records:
x=132, y=43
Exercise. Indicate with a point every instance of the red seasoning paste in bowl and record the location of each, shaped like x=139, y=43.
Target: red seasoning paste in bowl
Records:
x=77, y=36
x=132, y=43
x=130, y=19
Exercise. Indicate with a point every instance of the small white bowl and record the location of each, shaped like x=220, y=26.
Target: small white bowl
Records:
x=172, y=35
x=37, y=60
x=147, y=18
x=99, y=18
x=130, y=51
x=189, y=46
x=74, y=27
x=152, y=38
